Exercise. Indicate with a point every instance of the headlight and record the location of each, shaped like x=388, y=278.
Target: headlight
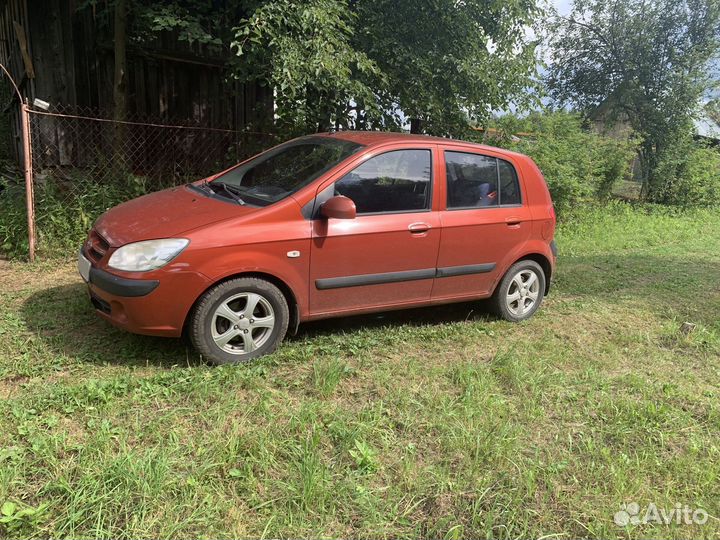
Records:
x=147, y=255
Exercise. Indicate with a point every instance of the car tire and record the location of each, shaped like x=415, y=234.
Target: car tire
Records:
x=239, y=320
x=519, y=295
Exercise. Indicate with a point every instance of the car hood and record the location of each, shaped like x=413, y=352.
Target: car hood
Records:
x=164, y=214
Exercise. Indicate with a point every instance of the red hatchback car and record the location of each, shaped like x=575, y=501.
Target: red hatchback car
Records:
x=324, y=226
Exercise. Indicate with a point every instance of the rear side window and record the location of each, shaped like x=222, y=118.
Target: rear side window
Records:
x=475, y=181
x=397, y=181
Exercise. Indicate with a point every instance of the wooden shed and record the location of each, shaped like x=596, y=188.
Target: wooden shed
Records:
x=64, y=55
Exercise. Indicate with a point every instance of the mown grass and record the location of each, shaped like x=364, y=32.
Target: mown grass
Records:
x=436, y=423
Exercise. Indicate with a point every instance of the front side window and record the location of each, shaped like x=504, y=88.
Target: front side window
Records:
x=475, y=181
x=397, y=181
x=285, y=169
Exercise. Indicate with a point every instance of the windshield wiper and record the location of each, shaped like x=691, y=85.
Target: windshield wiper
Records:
x=230, y=190
x=203, y=186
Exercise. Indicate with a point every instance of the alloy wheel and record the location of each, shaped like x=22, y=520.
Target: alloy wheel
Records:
x=523, y=292
x=242, y=323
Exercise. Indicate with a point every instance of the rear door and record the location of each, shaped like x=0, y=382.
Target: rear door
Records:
x=485, y=218
x=386, y=255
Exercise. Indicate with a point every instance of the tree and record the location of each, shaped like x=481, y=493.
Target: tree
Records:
x=120, y=78
x=364, y=63
x=304, y=51
x=450, y=63
x=649, y=61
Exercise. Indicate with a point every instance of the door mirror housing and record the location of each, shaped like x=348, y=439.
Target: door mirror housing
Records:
x=338, y=207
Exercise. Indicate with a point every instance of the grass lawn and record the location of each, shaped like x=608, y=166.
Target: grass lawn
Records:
x=436, y=423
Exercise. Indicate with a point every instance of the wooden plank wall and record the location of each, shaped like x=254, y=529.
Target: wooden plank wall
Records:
x=12, y=12
x=72, y=56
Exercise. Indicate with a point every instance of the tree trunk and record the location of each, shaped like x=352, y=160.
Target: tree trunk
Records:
x=360, y=119
x=415, y=125
x=120, y=86
x=120, y=82
x=647, y=153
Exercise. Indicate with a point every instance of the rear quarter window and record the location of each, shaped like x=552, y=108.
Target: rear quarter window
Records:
x=509, y=185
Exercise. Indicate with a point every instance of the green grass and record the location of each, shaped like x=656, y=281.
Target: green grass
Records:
x=437, y=423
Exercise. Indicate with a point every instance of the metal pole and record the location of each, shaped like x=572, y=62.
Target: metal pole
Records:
x=29, y=192
x=27, y=158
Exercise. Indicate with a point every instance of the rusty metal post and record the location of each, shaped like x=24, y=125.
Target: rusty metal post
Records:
x=29, y=186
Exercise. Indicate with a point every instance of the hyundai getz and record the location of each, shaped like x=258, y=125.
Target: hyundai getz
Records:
x=322, y=226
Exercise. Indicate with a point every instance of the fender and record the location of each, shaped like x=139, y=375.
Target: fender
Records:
x=223, y=263
x=527, y=248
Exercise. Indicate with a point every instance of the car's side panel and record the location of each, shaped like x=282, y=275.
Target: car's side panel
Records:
x=277, y=244
x=373, y=260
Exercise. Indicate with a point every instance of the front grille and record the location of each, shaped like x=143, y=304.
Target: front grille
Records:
x=96, y=246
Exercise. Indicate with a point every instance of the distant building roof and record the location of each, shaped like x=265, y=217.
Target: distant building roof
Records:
x=707, y=127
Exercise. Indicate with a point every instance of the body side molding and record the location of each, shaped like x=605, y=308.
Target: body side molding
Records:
x=406, y=275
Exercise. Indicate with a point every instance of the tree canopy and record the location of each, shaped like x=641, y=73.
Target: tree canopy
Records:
x=358, y=63
x=648, y=61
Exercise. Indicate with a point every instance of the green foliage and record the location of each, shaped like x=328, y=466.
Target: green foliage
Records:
x=304, y=51
x=448, y=62
x=13, y=218
x=357, y=63
x=364, y=456
x=327, y=375
x=20, y=518
x=689, y=176
x=577, y=163
x=65, y=211
x=197, y=22
x=648, y=63
x=191, y=22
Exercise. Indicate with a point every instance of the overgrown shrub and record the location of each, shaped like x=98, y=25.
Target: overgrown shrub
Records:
x=689, y=175
x=13, y=218
x=64, y=210
x=578, y=164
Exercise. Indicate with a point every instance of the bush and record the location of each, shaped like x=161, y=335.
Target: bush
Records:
x=578, y=164
x=62, y=217
x=689, y=176
x=13, y=218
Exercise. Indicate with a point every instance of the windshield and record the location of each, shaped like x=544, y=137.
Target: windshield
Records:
x=285, y=169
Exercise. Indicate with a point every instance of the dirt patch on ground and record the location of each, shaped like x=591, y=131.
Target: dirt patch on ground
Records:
x=12, y=386
x=17, y=276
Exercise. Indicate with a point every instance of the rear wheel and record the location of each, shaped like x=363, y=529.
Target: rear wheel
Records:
x=520, y=292
x=239, y=320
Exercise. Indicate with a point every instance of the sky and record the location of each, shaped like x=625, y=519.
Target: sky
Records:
x=563, y=6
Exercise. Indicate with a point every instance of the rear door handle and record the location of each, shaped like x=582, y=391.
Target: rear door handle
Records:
x=513, y=221
x=419, y=227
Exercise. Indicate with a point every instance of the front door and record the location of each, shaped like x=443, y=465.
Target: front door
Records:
x=386, y=255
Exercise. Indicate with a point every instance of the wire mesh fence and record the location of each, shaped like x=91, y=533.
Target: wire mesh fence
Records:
x=83, y=161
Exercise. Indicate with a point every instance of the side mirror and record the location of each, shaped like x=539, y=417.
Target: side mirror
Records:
x=338, y=207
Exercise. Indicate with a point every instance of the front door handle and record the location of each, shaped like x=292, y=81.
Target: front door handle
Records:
x=419, y=227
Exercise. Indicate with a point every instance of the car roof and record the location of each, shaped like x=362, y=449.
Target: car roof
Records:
x=375, y=138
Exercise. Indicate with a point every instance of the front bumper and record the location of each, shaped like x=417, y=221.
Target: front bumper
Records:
x=116, y=285
x=119, y=286
x=155, y=306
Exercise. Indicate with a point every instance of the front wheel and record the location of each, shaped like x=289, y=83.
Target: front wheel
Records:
x=520, y=292
x=239, y=320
